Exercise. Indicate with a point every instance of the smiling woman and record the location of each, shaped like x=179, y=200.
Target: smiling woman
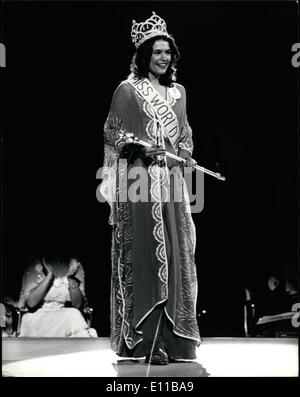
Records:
x=157, y=55
x=159, y=62
x=160, y=59
x=154, y=283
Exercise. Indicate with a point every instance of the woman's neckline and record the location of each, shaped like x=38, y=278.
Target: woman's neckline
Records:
x=165, y=96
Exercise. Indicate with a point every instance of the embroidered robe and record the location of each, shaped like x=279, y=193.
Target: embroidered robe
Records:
x=153, y=240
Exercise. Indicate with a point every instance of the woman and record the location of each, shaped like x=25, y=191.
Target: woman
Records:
x=53, y=294
x=154, y=284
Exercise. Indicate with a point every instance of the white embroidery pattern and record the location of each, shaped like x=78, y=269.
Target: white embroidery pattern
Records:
x=159, y=192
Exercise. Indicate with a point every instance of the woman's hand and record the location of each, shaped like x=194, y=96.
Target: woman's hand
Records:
x=127, y=137
x=37, y=294
x=73, y=267
x=48, y=268
x=75, y=292
x=153, y=151
x=189, y=162
x=185, y=154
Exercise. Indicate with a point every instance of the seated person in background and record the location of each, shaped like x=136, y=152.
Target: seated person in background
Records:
x=53, y=292
x=8, y=317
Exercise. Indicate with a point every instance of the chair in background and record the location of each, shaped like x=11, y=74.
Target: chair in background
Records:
x=269, y=311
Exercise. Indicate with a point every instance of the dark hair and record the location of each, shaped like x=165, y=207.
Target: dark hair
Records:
x=57, y=258
x=141, y=60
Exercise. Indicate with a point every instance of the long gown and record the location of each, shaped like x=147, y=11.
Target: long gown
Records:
x=153, y=239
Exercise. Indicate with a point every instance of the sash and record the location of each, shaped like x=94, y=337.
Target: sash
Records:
x=163, y=111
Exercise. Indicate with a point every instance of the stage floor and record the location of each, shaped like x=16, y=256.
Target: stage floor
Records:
x=216, y=357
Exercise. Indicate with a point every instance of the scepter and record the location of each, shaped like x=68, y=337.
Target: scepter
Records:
x=130, y=138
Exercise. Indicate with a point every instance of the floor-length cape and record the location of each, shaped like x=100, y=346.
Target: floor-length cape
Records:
x=153, y=237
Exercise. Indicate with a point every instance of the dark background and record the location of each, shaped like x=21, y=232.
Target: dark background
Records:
x=64, y=61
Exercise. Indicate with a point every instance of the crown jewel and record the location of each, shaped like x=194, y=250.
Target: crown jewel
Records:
x=153, y=26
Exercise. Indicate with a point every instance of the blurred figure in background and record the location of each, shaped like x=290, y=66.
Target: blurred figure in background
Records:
x=53, y=294
x=9, y=317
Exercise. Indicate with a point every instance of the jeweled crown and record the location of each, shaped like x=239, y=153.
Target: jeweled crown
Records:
x=153, y=26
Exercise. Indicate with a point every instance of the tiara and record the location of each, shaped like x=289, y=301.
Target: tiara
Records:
x=153, y=26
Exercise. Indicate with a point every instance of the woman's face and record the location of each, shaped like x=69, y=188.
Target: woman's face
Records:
x=161, y=58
